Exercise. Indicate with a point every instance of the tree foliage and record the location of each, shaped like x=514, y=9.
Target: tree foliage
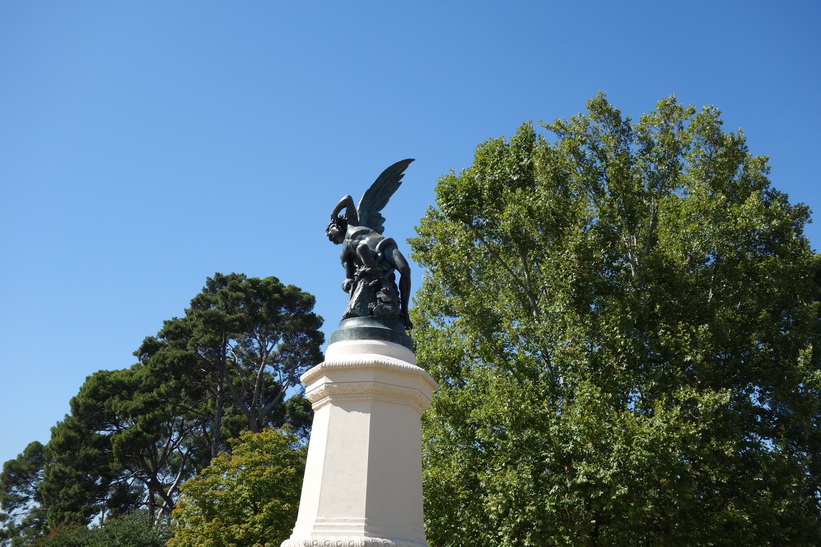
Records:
x=247, y=340
x=624, y=322
x=134, y=435
x=135, y=530
x=21, y=510
x=249, y=497
x=128, y=443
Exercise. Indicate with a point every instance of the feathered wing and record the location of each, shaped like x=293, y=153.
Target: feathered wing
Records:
x=376, y=197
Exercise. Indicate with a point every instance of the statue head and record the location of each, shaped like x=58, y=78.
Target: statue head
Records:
x=336, y=230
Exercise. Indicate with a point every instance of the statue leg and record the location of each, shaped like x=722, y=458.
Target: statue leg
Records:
x=366, y=256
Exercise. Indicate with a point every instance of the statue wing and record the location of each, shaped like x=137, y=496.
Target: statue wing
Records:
x=377, y=196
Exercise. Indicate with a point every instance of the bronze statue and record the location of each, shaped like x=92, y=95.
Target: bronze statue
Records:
x=370, y=260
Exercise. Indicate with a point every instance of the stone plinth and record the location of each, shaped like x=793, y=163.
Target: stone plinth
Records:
x=363, y=477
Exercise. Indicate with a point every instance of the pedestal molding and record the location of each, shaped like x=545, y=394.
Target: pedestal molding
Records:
x=368, y=361
x=361, y=391
x=382, y=348
x=369, y=376
x=346, y=541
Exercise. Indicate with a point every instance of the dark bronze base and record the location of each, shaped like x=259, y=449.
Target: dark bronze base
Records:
x=372, y=328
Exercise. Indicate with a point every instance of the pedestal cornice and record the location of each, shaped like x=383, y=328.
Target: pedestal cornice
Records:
x=350, y=374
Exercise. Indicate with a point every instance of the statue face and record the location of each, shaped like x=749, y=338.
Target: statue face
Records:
x=335, y=235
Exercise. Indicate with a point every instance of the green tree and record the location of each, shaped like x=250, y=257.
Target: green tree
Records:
x=249, y=497
x=249, y=340
x=128, y=443
x=135, y=530
x=134, y=435
x=624, y=322
x=21, y=511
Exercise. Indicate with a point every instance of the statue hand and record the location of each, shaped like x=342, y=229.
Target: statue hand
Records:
x=347, y=284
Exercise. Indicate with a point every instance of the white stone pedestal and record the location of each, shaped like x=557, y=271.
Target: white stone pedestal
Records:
x=363, y=477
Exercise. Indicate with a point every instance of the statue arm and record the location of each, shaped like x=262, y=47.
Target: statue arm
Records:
x=350, y=210
x=350, y=271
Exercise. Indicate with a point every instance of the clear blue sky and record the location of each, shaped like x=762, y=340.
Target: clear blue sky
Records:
x=146, y=145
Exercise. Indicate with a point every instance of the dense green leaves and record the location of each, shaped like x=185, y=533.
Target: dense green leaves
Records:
x=623, y=318
x=128, y=443
x=245, y=342
x=133, y=436
x=249, y=497
x=135, y=530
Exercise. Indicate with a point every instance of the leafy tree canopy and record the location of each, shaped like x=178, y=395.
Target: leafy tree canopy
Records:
x=244, y=342
x=134, y=435
x=135, y=530
x=624, y=321
x=248, y=498
x=128, y=443
x=21, y=511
